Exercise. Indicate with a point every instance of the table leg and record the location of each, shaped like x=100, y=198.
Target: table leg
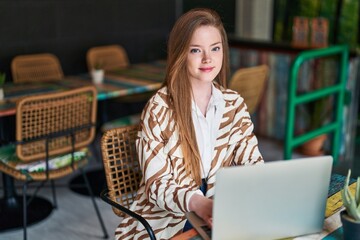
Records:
x=10, y=197
x=11, y=208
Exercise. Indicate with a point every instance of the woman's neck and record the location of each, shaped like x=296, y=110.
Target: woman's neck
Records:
x=202, y=95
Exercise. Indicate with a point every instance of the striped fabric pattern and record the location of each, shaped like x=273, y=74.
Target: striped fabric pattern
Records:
x=165, y=189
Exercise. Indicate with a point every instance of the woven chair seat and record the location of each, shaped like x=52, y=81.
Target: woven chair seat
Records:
x=58, y=166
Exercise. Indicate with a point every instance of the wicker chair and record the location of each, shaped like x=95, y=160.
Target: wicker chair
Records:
x=250, y=83
x=52, y=133
x=108, y=57
x=123, y=173
x=112, y=57
x=36, y=67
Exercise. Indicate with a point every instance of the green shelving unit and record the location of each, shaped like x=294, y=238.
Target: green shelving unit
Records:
x=338, y=89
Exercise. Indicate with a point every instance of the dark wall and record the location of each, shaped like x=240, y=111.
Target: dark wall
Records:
x=225, y=8
x=68, y=28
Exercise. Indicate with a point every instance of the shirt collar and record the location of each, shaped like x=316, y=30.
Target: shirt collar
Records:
x=215, y=99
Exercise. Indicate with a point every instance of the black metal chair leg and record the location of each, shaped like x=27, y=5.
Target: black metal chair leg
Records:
x=94, y=147
x=94, y=203
x=25, y=210
x=52, y=182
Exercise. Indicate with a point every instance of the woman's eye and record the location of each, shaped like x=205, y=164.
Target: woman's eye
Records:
x=194, y=50
x=216, y=49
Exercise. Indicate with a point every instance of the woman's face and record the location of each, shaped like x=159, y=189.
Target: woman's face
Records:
x=205, y=55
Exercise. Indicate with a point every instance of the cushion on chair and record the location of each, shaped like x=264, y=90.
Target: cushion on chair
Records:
x=11, y=161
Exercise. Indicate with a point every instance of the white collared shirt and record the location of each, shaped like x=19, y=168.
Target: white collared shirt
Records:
x=206, y=128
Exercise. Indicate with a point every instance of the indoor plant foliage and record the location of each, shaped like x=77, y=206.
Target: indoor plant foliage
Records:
x=350, y=217
x=2, y=81
x=351, y=203
x=317, y=114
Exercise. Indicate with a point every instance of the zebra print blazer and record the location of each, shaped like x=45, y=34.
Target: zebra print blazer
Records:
x=165, y=189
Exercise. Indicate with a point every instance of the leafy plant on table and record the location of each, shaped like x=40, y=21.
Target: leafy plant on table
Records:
x=2, y=79
x=351, y=203
x=98, y=66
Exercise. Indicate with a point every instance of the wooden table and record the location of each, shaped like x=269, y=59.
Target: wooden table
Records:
x=138, y=78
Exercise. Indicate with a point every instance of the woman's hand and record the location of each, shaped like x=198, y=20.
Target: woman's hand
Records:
x=202, y=206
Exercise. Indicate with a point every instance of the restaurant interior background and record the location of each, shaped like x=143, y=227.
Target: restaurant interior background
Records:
x=257, y=30
x=69, y=28
x=261, y=28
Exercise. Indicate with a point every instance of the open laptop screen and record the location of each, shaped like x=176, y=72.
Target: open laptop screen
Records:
x=273, y=200
x=270, y=201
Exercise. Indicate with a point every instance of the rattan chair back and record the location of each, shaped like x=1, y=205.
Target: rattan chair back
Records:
x=108, y=57
x=36, y=67
x=50, y=121
x=250, y=84
x=48, y=125
x=122, y=170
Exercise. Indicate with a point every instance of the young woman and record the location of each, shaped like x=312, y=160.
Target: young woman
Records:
x=190, y=128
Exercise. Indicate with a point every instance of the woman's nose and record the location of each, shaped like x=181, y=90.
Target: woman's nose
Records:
x=206, y=58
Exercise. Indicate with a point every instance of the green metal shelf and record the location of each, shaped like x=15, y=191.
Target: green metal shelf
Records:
x=294, y=99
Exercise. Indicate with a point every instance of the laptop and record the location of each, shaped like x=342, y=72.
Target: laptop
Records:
x=274, y=200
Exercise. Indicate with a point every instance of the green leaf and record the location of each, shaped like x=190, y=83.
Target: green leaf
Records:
x=357, y=192
x=2, y=78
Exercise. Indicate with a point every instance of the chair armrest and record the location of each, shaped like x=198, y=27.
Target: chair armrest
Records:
x=105, y=197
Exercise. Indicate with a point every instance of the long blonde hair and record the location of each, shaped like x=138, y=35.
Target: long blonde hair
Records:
x=178, y=83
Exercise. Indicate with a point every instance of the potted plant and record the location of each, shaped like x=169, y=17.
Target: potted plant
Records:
x=97, y=73
x=350, y=217
x=317, y=113
x=2, y=82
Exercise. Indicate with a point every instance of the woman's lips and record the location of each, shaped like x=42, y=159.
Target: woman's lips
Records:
x=206, y=69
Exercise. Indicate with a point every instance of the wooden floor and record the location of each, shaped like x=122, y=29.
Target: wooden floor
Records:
x=75, y=217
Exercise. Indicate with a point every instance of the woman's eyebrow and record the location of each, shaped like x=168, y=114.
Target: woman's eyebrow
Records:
x=215, y=43
x=197, y=45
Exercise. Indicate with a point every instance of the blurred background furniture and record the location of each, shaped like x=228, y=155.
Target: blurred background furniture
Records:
x=52, y=134
x=36, y=67
x=250, y=84
x=144, y=36
x=108, y=57
x=113, y=59
x=140, y=78
x=123, y=172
